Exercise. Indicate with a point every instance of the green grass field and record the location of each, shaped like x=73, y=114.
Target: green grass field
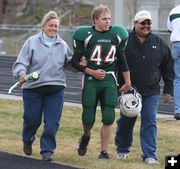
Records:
x=68, y=134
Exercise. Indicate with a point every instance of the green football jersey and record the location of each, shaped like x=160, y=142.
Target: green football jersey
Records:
x=100, y=48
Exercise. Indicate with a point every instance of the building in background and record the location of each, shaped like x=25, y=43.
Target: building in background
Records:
x=159, y=9
x=123, y=11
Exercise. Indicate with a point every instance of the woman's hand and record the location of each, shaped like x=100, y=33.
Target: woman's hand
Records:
x=21, y=79
x=83, y=61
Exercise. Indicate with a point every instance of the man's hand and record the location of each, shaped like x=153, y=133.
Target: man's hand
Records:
x=125, y=88
x=167, y=97
x=127, y=85
x=99, y=74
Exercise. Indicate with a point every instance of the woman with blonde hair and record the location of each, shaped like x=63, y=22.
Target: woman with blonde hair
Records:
x=47, y=53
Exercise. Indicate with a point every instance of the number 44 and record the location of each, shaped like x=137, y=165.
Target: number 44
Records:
x=97, y=55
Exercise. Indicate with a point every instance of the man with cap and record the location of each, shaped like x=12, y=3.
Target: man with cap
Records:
x=149, y=59
x=173, y=25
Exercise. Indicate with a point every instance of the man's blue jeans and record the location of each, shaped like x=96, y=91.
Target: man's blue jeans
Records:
x=148, y=129
x=176, y=58
x=37, y=106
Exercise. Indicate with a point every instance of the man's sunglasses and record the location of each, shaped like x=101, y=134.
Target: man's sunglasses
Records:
x=146, y=23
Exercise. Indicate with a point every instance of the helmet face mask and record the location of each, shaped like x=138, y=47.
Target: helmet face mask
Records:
x=130, y=103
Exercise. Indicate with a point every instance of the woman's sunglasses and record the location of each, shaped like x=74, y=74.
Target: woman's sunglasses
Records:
x=146, y=23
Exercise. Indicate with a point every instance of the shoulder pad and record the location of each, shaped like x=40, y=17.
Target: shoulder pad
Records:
x=120, y=30
x=82, y=33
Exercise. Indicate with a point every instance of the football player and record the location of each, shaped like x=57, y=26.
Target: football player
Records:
x=103, y=47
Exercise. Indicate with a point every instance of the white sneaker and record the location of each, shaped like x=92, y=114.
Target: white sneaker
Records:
x=151, y=161
x=122, y=156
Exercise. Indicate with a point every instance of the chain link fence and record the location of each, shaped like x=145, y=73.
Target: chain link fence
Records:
x=12, y=37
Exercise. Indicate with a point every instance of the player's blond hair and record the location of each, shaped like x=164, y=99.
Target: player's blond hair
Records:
x=97, y=11
x=48, y=16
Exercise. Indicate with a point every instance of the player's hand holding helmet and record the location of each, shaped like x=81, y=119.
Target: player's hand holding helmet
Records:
x=130, y=103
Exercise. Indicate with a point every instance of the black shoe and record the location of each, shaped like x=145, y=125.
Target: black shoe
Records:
x=83, y=143
x=27, y=149
x=177, y=116
x=104, y=155
x=47, y=156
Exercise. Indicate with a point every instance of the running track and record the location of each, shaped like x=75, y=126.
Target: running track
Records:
x=72, y=92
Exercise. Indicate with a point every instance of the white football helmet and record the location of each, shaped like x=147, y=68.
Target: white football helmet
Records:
x=130, y=103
